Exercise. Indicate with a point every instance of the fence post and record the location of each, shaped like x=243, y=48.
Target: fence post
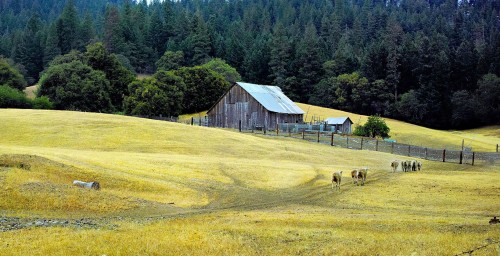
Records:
x=473, y=156
x=192, y=120
x=392, y=148
x=425, y=154
x=444, y=155
x=461, y=156
x=318, y=136
x=200, y=122
x=376, y=145
x=265, y=130
x=289, y=131
x=361, y=143
x=409, y=149
x=277, y=129
x=303, y=135
x=332, y=140
x=347, y=143
x=239, y=125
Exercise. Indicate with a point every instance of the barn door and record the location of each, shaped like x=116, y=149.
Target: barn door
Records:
x=253, y=120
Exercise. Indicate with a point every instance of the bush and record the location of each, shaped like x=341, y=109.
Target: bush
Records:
x=359, y=130
x=76, y=86
x=12, y=98
x=374, y=127
x=42, y=103
x=9, y=76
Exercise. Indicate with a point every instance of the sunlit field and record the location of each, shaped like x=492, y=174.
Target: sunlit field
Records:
x=483, y=139
x=175, y=189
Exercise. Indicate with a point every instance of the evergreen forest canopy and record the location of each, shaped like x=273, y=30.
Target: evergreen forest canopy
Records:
x=429, y=62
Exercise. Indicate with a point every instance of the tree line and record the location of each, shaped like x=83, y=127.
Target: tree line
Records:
x=429, y=62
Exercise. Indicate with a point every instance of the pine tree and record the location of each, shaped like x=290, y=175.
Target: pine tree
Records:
x=113, y=36
x=280, y=58
x=51, y=49
x=309, y=72
x=67, y=28
x=393, y=40
x=29, y=51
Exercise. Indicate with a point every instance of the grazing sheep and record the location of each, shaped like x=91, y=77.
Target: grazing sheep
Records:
x=394, y=165
x=92, y=185
x=337, y=179
x=354, y=175
x=357, y=174
x=419, y=165
x=413, y=164
x=407, y=165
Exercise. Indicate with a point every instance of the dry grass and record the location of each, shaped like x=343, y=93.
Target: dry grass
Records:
x=483, y=139
x=233, y=194
x=30, y=91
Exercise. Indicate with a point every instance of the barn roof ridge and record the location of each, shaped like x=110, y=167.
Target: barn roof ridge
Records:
x=272, y=98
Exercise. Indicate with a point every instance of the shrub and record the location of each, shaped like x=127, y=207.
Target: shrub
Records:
x=42, y=103
x=9, y=76
x=12, y=98
x=374, y=127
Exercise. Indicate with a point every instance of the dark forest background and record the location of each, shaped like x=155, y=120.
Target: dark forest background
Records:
x=430, y=62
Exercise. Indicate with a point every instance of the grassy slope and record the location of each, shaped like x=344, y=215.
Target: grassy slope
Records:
x=233, y=193
x=483, y=139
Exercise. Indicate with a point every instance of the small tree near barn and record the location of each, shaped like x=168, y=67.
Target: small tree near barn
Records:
x=374, y=127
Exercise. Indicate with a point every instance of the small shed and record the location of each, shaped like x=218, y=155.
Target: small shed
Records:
x=254, y=106
x=340, y=124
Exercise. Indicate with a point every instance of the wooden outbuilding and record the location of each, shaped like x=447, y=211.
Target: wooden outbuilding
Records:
x=253, y=106
x=340, y=124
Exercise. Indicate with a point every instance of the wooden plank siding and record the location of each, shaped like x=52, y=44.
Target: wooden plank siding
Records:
x=238, y=105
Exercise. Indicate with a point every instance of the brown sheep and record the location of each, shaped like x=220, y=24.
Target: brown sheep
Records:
x=357, y=174
x=337, y=179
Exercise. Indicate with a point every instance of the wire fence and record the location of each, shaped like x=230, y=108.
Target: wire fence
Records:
x=320, y=134
x=325, y=134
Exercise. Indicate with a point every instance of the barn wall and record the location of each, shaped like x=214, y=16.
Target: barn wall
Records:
x=237, y=104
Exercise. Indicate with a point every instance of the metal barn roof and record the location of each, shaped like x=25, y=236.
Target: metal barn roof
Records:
x=337, y=120
x=272, y=98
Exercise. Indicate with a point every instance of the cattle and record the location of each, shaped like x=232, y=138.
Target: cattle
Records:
x=394, y=165
x=337, y=179
x=91, y=185
x=357, y=174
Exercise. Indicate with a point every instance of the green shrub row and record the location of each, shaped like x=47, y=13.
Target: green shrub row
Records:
x=12, y=98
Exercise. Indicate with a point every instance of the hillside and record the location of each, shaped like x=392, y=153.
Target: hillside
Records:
x=184, y=190
x=483, y=139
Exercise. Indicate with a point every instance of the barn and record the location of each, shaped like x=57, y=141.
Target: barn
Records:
x=340, y=124
x=255, y=106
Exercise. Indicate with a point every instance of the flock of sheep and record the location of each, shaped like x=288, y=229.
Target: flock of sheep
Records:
x=406, y=166
x=359, y=175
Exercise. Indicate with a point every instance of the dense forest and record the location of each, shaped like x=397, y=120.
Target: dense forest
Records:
x=430, y=62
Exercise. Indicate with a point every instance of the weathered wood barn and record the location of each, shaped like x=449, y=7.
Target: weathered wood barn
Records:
x=255, y=106
x=340, y=124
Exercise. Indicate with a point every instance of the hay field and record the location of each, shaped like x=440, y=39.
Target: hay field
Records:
x=174, y=189
x=483, y=139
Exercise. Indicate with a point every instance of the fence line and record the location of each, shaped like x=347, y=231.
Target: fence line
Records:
x=307, y=132
x=323, y=134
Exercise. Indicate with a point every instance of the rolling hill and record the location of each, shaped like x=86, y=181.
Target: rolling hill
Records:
x=170, y=188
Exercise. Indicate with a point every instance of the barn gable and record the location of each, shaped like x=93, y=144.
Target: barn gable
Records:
x=252, y=105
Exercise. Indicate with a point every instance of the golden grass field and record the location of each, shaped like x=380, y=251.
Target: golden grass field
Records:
x=175, y=189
